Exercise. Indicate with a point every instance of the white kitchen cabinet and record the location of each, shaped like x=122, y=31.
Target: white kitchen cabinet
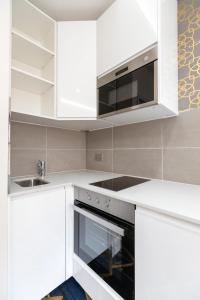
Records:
x=76, y=69
x=54, y=76
x=167, y=257
x=69, y=230
x=37, y=244
x=125, y=29
x=33, y=60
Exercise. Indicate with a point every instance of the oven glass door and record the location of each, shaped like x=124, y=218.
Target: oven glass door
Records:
x=133, y=89
x=106, y=245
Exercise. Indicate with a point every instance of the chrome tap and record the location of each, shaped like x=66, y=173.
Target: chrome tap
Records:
x=41, y=167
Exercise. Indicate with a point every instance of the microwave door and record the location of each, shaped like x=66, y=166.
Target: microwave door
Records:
x=127, y=91
x=135, y=88
x=107, y=98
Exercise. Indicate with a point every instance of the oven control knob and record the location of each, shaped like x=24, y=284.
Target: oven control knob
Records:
x=97, y=201
x=107, y=204
x=89, y=197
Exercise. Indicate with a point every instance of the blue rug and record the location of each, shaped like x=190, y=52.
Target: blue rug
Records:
x=70, y=290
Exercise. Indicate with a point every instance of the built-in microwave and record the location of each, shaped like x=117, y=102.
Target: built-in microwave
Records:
x=131, y=86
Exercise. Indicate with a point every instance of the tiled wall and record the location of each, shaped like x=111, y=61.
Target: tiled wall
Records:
x=62, y=150
x=166, y=149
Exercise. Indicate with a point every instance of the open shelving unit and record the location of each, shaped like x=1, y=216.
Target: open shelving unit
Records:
x=28, y=82
x=31, y=57
x=33, y=60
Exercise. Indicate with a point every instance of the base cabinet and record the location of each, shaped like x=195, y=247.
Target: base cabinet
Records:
x=37, y=244
x=167, y=258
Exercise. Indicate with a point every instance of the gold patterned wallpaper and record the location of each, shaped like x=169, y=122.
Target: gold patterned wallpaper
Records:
x=189, y=54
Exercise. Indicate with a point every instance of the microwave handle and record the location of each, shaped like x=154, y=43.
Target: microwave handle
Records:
x=100, y=221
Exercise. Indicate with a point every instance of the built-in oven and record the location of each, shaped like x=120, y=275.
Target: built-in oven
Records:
x=131, y=86
x=104, y=240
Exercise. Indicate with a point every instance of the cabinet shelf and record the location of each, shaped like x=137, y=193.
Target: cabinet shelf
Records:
x=29, y=51
x=33, y=60
x=27, y=82
x=31, y=57
x=30, y=20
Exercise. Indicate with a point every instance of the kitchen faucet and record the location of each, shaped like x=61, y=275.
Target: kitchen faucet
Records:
x=41, y=167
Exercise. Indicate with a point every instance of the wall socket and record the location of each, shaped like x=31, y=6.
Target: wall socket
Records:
x=98, y=156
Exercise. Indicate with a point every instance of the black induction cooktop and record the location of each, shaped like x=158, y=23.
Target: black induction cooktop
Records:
x=119, y=183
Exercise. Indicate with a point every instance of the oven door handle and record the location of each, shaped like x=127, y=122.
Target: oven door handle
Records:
x=116, y=229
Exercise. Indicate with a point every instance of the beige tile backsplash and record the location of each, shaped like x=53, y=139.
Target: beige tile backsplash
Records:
x=138, y=135
x=65, y=139
x=25, y=136
x=183, y=131
x=167, y=149
x=105, y=165
x=138, y=162
x=182, y=164
x=24, y=161
x=62, y=150
x=61, y=160
x=100, y=139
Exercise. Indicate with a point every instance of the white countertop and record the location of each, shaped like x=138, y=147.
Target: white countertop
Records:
x=171, y=198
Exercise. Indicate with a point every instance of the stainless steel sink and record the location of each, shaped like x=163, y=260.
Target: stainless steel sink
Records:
x=31, y=182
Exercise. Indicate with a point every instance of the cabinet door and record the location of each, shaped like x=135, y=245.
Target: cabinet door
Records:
x=76, y=70
x=69, y=230
x=37, y=244
x=167, y=258
x=126, y=28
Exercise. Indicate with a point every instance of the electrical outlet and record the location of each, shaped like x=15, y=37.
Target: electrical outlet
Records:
x=98, y=156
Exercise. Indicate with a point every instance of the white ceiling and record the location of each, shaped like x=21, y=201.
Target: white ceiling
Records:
x=73, y=10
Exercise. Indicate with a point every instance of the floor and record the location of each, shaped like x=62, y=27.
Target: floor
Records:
x=68, y=290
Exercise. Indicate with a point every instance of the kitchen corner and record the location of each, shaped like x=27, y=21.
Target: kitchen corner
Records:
x=103, y=147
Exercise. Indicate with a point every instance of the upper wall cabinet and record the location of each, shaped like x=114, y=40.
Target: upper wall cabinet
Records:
x=33, y=60
x=76, y=70
x=85, y=51
x=125, y=29
x=126, y=32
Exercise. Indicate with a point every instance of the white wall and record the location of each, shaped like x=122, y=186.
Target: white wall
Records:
x=5, y=9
